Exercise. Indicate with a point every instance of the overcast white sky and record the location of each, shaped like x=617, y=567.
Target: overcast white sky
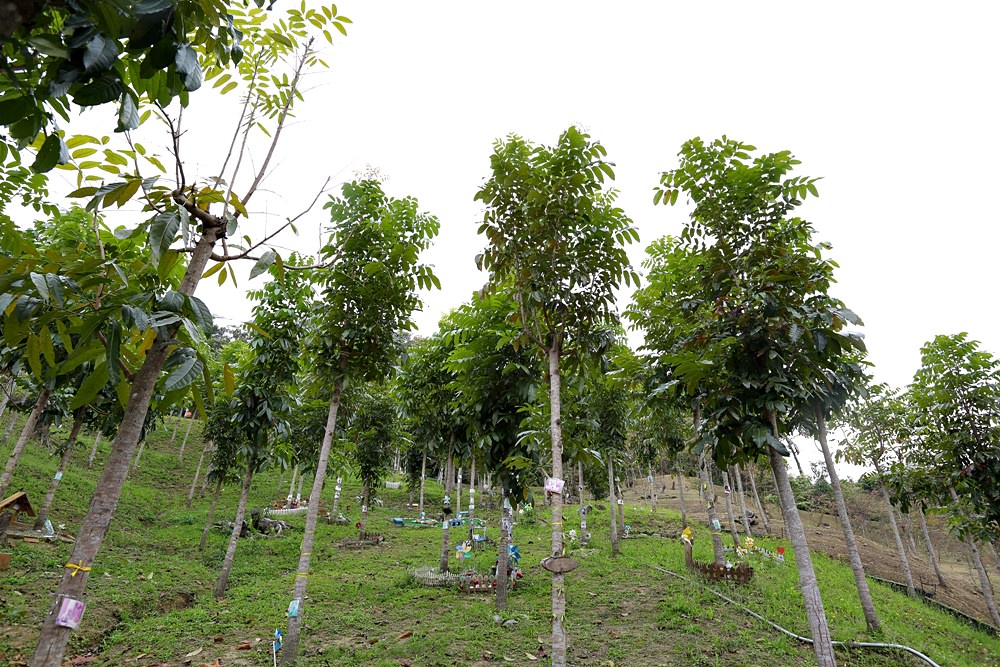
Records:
x=893, y=104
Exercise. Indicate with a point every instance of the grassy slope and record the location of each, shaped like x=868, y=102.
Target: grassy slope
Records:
x=361, y=602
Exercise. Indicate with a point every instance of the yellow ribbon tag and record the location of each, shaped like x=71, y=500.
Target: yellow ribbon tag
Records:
x=77, y=567
x=687, y=535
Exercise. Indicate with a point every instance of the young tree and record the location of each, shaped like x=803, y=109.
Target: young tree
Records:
x=201, y=214
x=557, y=241
x=367, y=298
x=373, y=430
x=770, y=328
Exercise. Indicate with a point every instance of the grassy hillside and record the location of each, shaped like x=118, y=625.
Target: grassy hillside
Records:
x=150, y=603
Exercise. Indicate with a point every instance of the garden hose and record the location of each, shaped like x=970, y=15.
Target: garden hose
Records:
x=791, y=634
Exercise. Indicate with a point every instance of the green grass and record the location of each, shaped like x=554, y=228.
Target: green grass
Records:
x=361, y=602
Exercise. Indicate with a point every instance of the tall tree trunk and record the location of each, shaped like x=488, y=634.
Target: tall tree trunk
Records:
x=930, y=546
x=612, y=502
x=211, y=513
x=241, y=509
x=5, y=394
x=29, y=427
x=903, y=559
x=584, y=539
x=423, y=482
x=820, y=631
x=756, y=498
x=43, y=512
x=173, y=436
x=680, y=494
x=93, y=450
x=458, y=492
x=291, y=648
x=728, y=492
x=446, y=522
x=53, y=639
x=503, y=557
x=365, y=496
x=908, y=529
x=558, y=580
x=736, y=473
x=197, y=473
x=298, y=492
x=291, y=487
x=184, y=442
x=984, y=581
x=853, y=555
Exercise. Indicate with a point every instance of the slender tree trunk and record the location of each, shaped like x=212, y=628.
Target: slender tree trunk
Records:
x=281, y=483
x=903, y=559
x=820, y=631
x=472, y=500
x=291, y=648
x=795, y=455
x=5, y=393
x=853, y=555
x=423, y=482
x=558, y=580
x=446, y=523
x=756, y=497
x=43, y=511
x=29, y=426
x=291, y=487
x=298, y=492
x=729, y=508
x=365, y=495
x=10, y=428
x=908, y=526
x=736, y=473
x=184, y=442
x=584, y=539
x=336, y=496
x=211, y=514
x=173, y=436
x=458, y=493
x=932, y=556
x=708, y=495
x=227, y=563
x=138, y=456
x=652, y=491
x=984, y=580
x=612, y=502
x=503, y=557
x=53, y=639
x=93, y=450
x=680, y=493
x=621, y=507
x=197, y=473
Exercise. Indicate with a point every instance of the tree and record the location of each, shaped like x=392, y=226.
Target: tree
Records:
x=367, y=297
x=201, y=214
x=557, y=241
x=954, y=459
x=770, y=330
x=373, y=430
x=878, y=421
x=494, y=382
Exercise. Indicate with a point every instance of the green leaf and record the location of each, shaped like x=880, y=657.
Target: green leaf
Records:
x=128, y=113
x=34, y=358
x=186, y=373
x=162, y=232
x=202, y=314
x=48, y=350
x=41, y=285
x=263, y=264
x=14, y=109
x=186, y=62
x=228, y=379
x=49, y=154
x=113, y=337
x=91, y=386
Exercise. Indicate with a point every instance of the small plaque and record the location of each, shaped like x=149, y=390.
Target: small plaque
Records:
x=70, y=613
x=559, y=564
x=554, y=485
x=293, y=608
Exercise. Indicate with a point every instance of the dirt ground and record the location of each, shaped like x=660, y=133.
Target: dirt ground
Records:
x=878, y=548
